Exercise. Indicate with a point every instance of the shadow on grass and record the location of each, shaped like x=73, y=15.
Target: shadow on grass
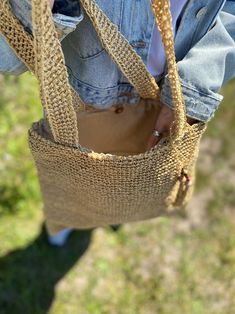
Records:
x=28, y=276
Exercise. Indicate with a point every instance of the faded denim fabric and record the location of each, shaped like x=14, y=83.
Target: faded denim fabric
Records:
x=204, y=44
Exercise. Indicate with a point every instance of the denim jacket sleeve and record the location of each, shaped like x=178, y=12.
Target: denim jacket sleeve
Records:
x=207, y=67
x=65, y=24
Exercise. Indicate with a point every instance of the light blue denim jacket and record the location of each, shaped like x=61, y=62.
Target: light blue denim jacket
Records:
x=204, y=45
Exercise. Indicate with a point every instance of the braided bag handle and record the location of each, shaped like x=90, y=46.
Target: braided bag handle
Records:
x=162, y=12
x=118, y=47
x=18, y=39
x=53, y=77
x=22, y=43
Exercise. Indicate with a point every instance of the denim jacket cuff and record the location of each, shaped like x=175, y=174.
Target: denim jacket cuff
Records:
x=200, y=105
x=66, y=24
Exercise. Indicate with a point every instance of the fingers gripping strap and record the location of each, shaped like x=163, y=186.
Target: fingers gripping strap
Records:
x=161, y=9
x=129, y=62
x=53, y=77
x=18, y=39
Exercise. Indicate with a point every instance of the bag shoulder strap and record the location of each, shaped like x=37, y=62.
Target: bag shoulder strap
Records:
x=18, y=39
x=123, y=54
x=162, y=13
x=53, y=76
x=22, y=43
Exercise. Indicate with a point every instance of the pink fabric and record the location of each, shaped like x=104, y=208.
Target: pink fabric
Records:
x=157, y=58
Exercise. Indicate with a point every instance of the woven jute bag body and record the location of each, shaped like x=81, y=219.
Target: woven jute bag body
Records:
x=93, y=166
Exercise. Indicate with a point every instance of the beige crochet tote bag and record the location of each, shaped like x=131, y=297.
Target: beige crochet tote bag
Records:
x=93, y=166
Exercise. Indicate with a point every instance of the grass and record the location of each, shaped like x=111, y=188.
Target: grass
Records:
x=180, y=265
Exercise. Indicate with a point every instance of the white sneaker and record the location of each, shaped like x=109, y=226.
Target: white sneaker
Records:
x=60, y=238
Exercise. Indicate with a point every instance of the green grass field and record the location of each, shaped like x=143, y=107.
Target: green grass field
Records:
x=180, y=265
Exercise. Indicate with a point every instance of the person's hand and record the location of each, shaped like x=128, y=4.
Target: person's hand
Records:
x=51, y=3
x=163, y=125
